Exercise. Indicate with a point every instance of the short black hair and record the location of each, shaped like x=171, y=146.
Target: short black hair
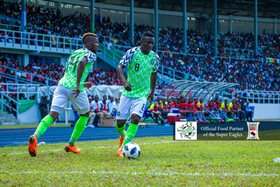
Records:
x=148, y=33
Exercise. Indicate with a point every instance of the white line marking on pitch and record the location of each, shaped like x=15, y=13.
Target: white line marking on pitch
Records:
x=150, y=173
x=95, y=147
x=276, y=160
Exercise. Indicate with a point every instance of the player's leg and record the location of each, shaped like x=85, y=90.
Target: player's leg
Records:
x=77, y=132
x=45, y=123
x=81, y=104
x=130, y=133
x=58, y=102
x=42, y=127
x=122, y=115
x=137, y=110
x=120, y=125
x=132, y=129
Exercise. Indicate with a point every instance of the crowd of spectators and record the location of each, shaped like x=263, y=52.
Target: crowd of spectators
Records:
x=257, y=73
x=51, y=20
x=51, y=73
x=195, y=109
x=33, y=72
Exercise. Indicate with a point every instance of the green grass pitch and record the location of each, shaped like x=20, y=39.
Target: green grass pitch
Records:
x=163, y=162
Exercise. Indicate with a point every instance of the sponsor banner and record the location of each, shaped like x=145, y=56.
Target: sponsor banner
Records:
x=222, y=132
x=227, y=131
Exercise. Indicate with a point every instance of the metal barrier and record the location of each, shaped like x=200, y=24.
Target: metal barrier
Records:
x=5, y=102
x=26, y=91
x=259, y=96
x=238, y=53
x=21, y=90
x=52, y=43
x=111, y=56
x=39, y=42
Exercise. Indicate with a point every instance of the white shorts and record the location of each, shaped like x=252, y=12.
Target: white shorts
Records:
x=129, y=106
x=63, y=95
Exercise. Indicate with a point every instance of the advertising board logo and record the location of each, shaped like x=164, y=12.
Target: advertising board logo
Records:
x=253, y=130
x=186, y=130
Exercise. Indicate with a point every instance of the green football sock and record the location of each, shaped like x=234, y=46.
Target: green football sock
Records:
x=120, y=130
x=43, y=125
x=78, y=129
x=130, y=133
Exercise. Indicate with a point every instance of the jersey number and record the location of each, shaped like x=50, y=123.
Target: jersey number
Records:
x=137, y=65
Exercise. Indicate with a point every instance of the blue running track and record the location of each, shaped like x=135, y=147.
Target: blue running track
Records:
x=13, y=137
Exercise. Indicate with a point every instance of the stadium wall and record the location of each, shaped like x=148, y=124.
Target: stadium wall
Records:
x=266, y=111
x=32, y=115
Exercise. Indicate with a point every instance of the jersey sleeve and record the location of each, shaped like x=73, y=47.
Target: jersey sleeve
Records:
x=90, y=56
x=156, y=67
x=126, y=59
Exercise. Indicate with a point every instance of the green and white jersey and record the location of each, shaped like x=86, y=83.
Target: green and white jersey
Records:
x=69, y=78
x=139, y=70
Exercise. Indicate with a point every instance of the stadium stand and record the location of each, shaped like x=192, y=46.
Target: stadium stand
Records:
x=117, y=33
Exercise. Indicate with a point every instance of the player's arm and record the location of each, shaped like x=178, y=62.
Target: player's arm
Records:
x=81, y=68
x=126, y=85
x=153, y=79
x=123, y=63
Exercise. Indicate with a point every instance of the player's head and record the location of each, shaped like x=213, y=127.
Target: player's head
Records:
x=90, y=41
x=147, y=42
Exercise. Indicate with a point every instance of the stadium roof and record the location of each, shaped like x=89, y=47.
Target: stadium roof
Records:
x=266, y=8
x=196, y=89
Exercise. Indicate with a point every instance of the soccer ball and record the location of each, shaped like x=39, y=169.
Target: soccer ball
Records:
x=131, y=150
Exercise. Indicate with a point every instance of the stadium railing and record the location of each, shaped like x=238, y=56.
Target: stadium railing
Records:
x=259, y=96
x=27, y=91
x=5, y=102
x=52, y=43
x=39, y=42
x=238, y=53
x=111, y=56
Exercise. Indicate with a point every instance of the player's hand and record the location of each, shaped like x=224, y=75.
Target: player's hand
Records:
x=127, y=86
x=77, y=91
x=151, y=97
x=88, y=84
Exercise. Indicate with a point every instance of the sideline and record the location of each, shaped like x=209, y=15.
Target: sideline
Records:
x=149, y=173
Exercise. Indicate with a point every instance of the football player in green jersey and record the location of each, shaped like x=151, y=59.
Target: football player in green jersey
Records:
x=142, y=65
x=71, y=88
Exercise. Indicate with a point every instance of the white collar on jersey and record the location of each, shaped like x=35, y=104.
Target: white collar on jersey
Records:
x=84, y=48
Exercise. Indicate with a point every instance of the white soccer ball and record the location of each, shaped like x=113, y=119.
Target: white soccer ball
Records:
x=131, y=150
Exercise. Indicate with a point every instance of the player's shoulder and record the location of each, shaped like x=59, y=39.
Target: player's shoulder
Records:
x=82, y=50
x=132, y=50
x=154, y=54
x=91, y=56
